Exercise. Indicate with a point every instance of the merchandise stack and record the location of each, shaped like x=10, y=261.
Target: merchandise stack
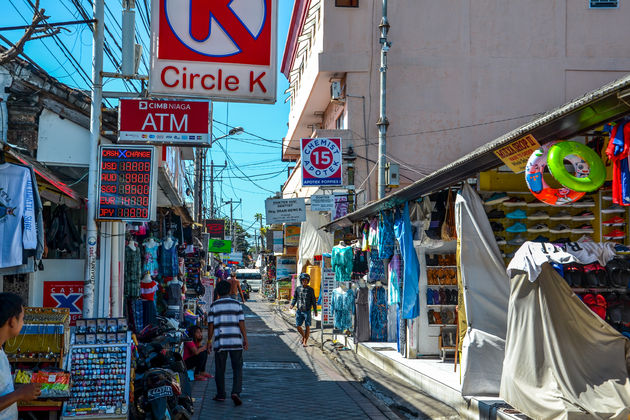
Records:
x=441, y=288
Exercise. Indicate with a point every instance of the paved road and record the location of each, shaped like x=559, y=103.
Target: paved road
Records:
x=283, y=380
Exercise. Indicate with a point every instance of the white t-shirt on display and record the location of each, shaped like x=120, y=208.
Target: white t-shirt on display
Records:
x=6, y=387
x=17, y=214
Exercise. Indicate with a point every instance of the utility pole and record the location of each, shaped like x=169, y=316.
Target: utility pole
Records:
x=98, y=42
x=231, y=203
x=382, y=122
x=199, y=184
x=212, y=165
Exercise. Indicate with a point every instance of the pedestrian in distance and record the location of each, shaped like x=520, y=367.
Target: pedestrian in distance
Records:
x=11, y=321
x=235, y=288
x=226, y=326
x=196, y=355
x=304, y=299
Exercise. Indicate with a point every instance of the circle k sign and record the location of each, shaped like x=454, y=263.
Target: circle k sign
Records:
x=222, y=49
x=321, y=162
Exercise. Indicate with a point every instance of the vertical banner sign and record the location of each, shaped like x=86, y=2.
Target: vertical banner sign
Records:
x=183, y=123
x=65, y=294
x=321, y=162
x=328, y=284
x=216, y=228
x=292, y=235
x=214, y=49
x=278, y=243
x=127, y=183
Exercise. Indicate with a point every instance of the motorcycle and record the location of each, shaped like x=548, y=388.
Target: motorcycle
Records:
x=247, y=289
x=162, y=389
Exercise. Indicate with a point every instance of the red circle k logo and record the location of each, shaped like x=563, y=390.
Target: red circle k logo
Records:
x=235, y=31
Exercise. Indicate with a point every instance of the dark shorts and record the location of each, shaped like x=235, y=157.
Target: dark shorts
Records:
x=302, y=318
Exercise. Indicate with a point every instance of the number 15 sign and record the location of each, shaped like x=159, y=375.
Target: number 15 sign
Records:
x=321, y=162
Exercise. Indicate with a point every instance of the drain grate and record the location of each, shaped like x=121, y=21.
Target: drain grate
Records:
x=272, y=365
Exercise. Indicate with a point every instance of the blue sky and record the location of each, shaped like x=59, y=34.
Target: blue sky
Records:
x=68, y=56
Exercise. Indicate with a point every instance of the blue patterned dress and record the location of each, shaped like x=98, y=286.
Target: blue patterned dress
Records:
x=343, y=308
x=378, y=314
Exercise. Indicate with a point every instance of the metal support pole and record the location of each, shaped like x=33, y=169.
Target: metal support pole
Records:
x=198, y=186
x=212, y=189
x=382, y=122
x=95, y=131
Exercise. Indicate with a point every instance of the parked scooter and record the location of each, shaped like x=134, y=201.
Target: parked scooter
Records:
x=162, y=389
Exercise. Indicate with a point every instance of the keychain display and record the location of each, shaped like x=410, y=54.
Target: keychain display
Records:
x=100, y=380
x=55, y=383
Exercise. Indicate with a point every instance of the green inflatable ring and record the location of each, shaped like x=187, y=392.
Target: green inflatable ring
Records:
x=589, y=168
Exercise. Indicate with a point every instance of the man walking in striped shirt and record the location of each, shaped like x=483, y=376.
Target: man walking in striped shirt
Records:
x=226, y=324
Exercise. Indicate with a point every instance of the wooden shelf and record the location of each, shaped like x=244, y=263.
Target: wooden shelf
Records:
x=441, y=266
x=441, y=285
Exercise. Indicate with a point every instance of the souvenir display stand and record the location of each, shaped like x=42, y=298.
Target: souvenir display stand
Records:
x=43, y=342
x=100, y=379
x=438, y=299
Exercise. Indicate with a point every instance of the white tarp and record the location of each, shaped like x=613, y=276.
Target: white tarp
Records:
x=313, y=240
x=486, y=294
x=562, y=361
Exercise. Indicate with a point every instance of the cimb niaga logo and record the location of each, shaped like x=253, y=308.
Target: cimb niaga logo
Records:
x=142, y=105
x=216, y=30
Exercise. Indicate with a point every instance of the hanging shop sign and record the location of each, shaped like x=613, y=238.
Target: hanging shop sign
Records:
x=292, y=235
x=285, y=267
x=182, y=123
x=516, y=154
x=127, y=183
x=278, y=241
x=285, y=210
x=323, y=203
x=216, y=228
x=65, y=294
x=219, y=246
x=321, y=162
x=224, y=50
x=235, y=257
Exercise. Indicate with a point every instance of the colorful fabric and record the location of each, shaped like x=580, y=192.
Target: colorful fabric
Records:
x=410, y=301
x=378, y=314
x=133, y=272
x=386, y=235
x=393, y=282
x=225, y=314
x=365, y=237
x=148, y=289
x=151, y=257
x=377, y=268
x=343, y=308
x=169, y=263
x=359, y=263
x=373, y=233
x=617, y=153
x=342, y=262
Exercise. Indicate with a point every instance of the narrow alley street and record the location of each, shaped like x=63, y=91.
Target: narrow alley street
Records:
x=283, y=380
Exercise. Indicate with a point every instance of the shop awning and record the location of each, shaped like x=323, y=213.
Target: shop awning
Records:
x=51, y=188
x=607, y=103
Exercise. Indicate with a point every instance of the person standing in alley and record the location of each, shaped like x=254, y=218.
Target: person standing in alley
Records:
x=304, y=299
x=226, y=326
x=235, y=288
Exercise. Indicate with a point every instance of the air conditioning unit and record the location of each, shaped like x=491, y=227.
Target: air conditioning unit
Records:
x=335, y=91
x=392, y=174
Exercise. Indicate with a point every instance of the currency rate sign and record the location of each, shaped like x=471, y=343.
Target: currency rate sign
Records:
x=125, y=184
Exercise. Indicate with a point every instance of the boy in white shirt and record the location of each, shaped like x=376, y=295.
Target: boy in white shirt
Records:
x=11, y=321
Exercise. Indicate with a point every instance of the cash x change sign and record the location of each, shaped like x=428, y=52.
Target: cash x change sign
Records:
x=219, y=246
x=221, y=49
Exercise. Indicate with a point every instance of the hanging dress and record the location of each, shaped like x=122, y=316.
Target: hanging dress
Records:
x=342, y=262
x=378, y=314
x=151, y=258
x=169, y=262
x=343, y=308
x=133, y=272
x=410, y=297
x=359, y=263
x=386, y=236
x=362, y=316
x=377, y=268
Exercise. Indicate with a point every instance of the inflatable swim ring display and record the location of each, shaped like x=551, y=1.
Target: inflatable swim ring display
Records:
x=590, y=172
x=537, y=185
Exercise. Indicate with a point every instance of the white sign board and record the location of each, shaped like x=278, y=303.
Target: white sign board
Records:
x=328, y=284
x=278, y=241
x=235, y=256
x=289, y=210
x=323, y=203
x=225, y=50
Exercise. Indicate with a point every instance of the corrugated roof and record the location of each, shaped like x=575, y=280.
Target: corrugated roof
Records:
x=579, y=115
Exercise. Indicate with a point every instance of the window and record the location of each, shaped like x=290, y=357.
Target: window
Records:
x=346, y=3
x=340, y=122
x=603, y=4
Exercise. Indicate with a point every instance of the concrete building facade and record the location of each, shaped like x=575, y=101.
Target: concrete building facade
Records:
x=460, y=73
